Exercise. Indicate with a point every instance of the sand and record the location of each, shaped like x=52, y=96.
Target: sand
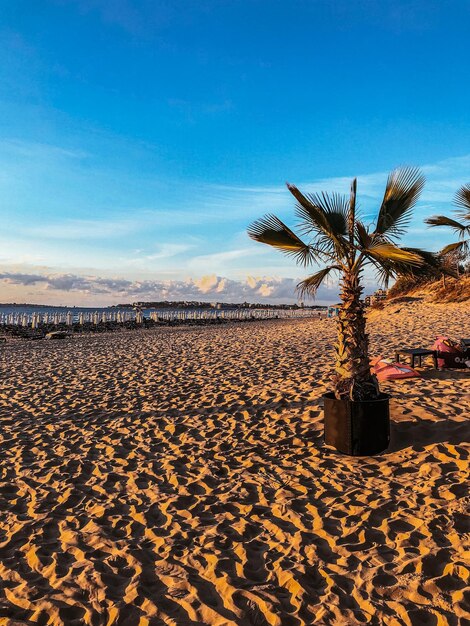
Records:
x=178, y=476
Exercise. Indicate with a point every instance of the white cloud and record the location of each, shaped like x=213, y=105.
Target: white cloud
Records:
x=35, y=150
x=163, y=251
x=224, y=261
x=207, y=284
x=83, y=229
x=116, y=225
x=213, y=287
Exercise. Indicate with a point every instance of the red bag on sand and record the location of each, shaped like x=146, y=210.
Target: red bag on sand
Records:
x=450, y=354
x=386, y=369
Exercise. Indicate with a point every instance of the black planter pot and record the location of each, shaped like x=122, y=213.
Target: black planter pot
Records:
x=357, y=428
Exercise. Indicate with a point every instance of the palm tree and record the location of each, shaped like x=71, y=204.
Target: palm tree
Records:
x=461, y=248
x=338, y=239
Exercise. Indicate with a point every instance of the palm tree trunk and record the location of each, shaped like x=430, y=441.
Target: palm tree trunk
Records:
x=353, y=378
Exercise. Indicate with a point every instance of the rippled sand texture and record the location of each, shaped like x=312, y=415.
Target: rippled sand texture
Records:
x=179, y=477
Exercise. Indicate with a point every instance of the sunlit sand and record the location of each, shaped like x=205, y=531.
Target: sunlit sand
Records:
x=179, y=476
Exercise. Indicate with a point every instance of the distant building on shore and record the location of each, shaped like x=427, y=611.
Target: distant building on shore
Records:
x=379, y=295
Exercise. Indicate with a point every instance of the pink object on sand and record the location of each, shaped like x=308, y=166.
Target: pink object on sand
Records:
x=449, y=353
x=386, y=369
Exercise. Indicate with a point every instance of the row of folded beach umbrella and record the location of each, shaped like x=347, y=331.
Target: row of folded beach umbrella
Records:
x=34, y=320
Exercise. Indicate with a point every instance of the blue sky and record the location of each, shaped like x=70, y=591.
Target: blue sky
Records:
x=138, y=139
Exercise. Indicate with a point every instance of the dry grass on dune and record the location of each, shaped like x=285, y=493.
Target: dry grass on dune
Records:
x=454, y=290
x=179, y=477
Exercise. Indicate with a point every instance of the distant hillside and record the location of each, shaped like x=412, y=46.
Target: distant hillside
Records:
x=455, y=290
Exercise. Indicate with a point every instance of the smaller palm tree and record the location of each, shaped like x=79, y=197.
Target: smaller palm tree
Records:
x=459, y=249
x=338, y=239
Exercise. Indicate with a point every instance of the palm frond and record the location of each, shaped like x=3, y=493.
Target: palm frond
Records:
x=460, y=246
x=323, y=215
x=389, y=253
x=431, y=260
x=335, y=208
x=431, y=265
x=387, y=270
x=363, y=237
x=462, y=200
x=324, y=249
x=404, y=186
x=272, y=231
x=310, y=285
x=443, y=220
x=383, y=274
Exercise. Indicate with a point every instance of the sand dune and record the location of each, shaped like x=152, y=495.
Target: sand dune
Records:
x=178, y=476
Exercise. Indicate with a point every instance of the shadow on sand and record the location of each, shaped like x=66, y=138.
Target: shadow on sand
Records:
x=419, y=433
x=432, y=374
